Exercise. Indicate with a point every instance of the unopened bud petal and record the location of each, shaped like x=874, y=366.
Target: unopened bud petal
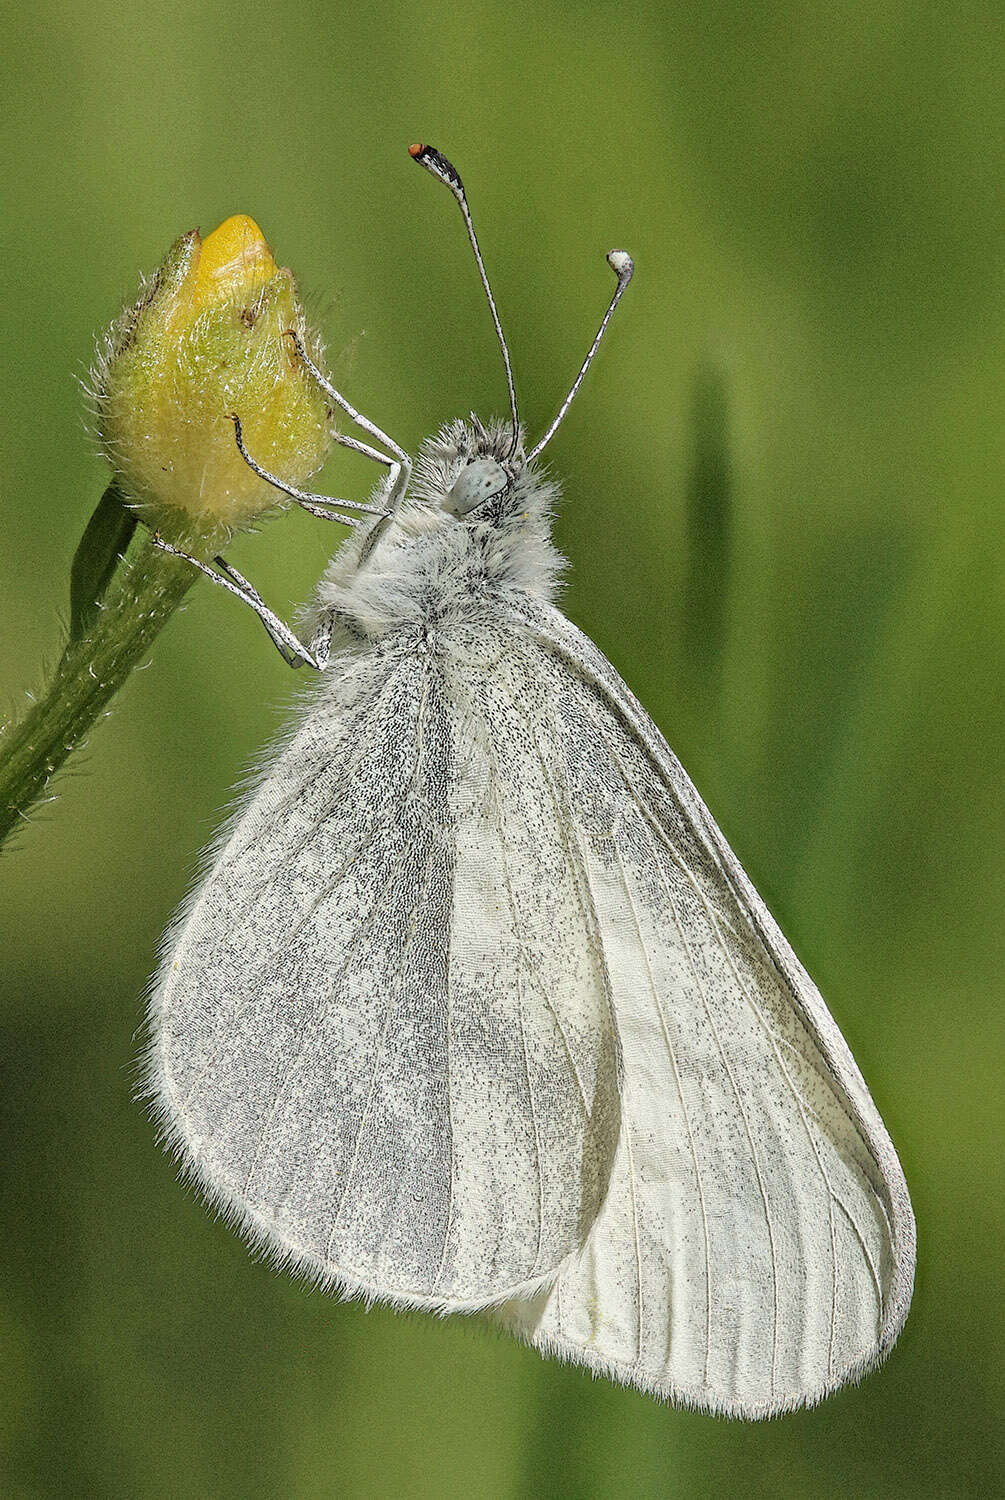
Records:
x=208, y=338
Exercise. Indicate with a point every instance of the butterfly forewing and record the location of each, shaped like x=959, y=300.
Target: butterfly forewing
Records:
x=383, y=1037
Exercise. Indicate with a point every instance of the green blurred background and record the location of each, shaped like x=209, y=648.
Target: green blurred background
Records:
x=783, y=506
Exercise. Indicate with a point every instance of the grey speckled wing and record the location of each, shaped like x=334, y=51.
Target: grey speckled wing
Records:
x=476, y=1009
x=381, y=1038
x=756, y=1245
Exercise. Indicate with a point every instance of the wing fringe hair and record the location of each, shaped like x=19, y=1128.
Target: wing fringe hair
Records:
x=562, y=1067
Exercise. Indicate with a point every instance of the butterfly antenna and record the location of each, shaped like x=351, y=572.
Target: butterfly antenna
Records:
x=623, y=266
x=435, y=162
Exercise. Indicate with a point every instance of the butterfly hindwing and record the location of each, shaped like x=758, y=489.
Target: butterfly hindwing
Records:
x=755, y=1248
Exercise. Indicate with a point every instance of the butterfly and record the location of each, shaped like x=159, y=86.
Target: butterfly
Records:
x=475, y=1009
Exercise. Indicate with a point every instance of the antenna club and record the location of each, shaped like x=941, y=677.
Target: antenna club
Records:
x=621, y=264
x=435, y=162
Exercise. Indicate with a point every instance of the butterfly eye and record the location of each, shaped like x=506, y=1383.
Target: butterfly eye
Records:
x=478, y=481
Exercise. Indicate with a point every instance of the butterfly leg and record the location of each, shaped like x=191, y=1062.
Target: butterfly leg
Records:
x=290, y=647
x=337, y=396
x=323, y=506
x=318, y=647
x=400, y=467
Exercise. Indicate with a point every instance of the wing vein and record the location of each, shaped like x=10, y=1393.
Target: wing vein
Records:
x=450, y=1122
x=324, y=764
x=521, y=965
x=877, y=1284
x=307, y=1040
x=769, y=1033
x=635, y=1228
x=729, y=1072
x=537, y=1129
x=222, y=1022
x=362, y=930
x=288, y=937
x=578, y=873
x=680, y=1093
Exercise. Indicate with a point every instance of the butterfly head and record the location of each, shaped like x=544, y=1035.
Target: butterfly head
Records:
x=469, y=472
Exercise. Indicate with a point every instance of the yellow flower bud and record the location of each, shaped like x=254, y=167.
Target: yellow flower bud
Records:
x=207, y=338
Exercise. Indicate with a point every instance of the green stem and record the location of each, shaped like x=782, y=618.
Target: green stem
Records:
x=141, y=599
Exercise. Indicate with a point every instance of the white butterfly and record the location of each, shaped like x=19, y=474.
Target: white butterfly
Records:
x=476, y=1009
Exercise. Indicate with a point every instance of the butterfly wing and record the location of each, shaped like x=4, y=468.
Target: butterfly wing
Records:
x=756, y=1245
x=381, y=1037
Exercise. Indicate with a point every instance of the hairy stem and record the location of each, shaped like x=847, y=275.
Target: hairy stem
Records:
x=146, y=590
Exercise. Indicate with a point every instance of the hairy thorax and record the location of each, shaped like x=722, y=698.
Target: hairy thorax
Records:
x=427, y=569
